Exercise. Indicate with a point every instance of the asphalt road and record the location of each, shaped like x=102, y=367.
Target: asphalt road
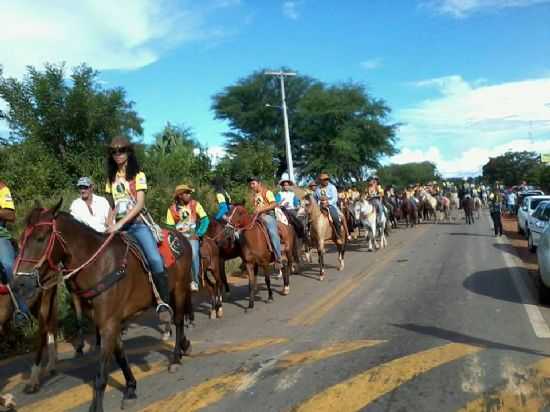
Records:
x=442, y=320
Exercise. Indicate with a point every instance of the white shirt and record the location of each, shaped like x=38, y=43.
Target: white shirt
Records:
x=97, y=219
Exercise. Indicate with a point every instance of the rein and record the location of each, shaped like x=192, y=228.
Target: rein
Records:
x=247, y=227
x=46, y=256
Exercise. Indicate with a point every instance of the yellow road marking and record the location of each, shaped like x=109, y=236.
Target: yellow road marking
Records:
x=320, y=308
x=81, y=394
x=356, y=393
x=213, y=390
x=527, y=392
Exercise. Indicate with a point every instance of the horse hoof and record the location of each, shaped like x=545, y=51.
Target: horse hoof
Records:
x=219, y=313
x=212, y=314
x=128, y=402
x=322, y=277
x=31, y=388
x=173, y=368
x=286, y=290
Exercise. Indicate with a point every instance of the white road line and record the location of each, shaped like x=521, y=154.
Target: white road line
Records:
x=540, y=327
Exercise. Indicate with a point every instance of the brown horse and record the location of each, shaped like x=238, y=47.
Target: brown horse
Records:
x=211, y=275
x=322, y=230
x=111, y=277
x=256, y=250
x=228, y=248
x=468, y=206
x=409, y=211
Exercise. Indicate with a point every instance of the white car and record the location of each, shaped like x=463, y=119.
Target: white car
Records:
x=543, y=257
x=526, y=209
x=538, y=221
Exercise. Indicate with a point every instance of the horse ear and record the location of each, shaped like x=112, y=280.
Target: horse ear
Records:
x=55, y=209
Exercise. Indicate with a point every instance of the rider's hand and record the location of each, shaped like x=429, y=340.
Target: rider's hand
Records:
x=113, y=228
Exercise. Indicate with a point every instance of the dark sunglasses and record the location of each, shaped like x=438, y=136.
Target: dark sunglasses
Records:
x=84, y=187
x=118, y=150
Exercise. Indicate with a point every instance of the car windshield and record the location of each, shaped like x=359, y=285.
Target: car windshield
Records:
x=535, y=203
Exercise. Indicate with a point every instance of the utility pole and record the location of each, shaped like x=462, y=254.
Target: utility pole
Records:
x=281, y=75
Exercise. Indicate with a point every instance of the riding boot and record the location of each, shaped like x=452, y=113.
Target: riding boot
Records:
x=164, y=310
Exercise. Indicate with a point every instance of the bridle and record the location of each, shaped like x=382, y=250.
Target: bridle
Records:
x=46, y=256
x=232, y=226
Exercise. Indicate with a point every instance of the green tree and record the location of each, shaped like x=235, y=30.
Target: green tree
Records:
x=338, y=129
x=401, y=175
x=70, y=119
x=512, y=168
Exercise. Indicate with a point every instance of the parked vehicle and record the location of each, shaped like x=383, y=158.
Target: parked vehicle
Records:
x=538, y=221
x=543, y=256
x=526, y=193
x=526, y=209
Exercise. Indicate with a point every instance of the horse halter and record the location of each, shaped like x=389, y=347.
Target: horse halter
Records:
x=46, y=256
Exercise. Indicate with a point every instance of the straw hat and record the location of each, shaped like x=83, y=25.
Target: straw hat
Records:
x=185, y=188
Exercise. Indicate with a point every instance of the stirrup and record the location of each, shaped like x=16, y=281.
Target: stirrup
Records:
x=20, y=318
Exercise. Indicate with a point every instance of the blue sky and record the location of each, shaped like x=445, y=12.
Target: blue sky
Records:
x=468, y=79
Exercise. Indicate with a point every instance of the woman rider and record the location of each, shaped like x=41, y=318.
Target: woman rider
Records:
x=127, y=186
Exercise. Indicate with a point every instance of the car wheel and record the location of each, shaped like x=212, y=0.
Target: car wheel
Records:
x=530, y=244
x=544, y=291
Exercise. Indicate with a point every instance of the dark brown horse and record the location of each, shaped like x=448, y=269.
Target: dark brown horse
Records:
x=212, y=275
x=112, y=278
x=256, y=250
x=468, y=206
x=409, y=211
x=228, y=247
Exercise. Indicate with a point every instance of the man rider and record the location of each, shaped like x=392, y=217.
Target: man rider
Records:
x=7, y=251
x=264, y=205
x=89, y=208
x=222, y=198
x=287, y=198
x=375, y=194
x=329, y=191
x=189, y=218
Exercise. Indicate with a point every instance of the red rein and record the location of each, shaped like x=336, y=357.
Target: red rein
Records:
x=47, y=255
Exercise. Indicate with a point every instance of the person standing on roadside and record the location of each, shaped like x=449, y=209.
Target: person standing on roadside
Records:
x=495, y=210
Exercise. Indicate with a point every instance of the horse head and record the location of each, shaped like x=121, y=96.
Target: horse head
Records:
x=239, y=217
x=41, y=249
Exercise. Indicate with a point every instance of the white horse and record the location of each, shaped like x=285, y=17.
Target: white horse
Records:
x=455, y=204
x=365, y=212
x=477, y=206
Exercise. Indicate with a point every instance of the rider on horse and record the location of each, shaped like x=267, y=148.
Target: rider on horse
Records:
x=264, y=205
x=222, y=198
x=375, y=193
x=7, y=251
x=127, y=186
x=287, y=198
x=188, y=217
x=329, y=191
x=311, y=188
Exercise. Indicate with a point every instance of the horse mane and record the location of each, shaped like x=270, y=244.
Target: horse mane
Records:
x=90, y=230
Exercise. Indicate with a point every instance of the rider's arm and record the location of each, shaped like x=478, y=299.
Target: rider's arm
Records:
x=223, y=209
x=134, y=212
x=202, y=226
x=296, y=202
x=170, y=220
x=7, y=215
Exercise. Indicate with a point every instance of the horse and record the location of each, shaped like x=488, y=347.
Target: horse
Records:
x=228, y=248
x=321, y=230
x=454, y=204
x=365, y=212
x=477, y=206
x=392, y=209
x=116, y=286
x=468, y=206
x=427, y=206
x=349, y=217
x=443, y=207
x=211, y=275
x=409, y=211
x=256, y=249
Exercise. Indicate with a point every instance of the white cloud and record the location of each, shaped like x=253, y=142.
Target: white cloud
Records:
x=463, y=8
x=124, y=34
x=290, y=9
x=470, y=162
x=468, y=122
x=371, y=64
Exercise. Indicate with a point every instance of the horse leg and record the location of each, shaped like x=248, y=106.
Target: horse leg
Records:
x=219, y=289
x=267, y=278
x=109, y=335
x=129, y=395
x=251, y=284
x=212, y=288
x=223, y=274
x=79, y=325
x=47, y=322
x=286, y=273
x=321, y=254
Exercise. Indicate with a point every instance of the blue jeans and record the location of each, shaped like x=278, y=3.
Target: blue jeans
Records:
x=335, y=215
x=148, y=244
x=196, y=266
x=271, y=225
x=7, y=258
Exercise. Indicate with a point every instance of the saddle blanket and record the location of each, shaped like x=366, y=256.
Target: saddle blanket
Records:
x=4, y=290
x=171, y=248
x=280, y=216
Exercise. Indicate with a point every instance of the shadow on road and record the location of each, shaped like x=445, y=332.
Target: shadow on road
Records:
x=469, y=234
x=458, y=337
x=495, y=283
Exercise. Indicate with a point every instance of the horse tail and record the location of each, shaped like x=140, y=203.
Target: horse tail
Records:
x=296, y=223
